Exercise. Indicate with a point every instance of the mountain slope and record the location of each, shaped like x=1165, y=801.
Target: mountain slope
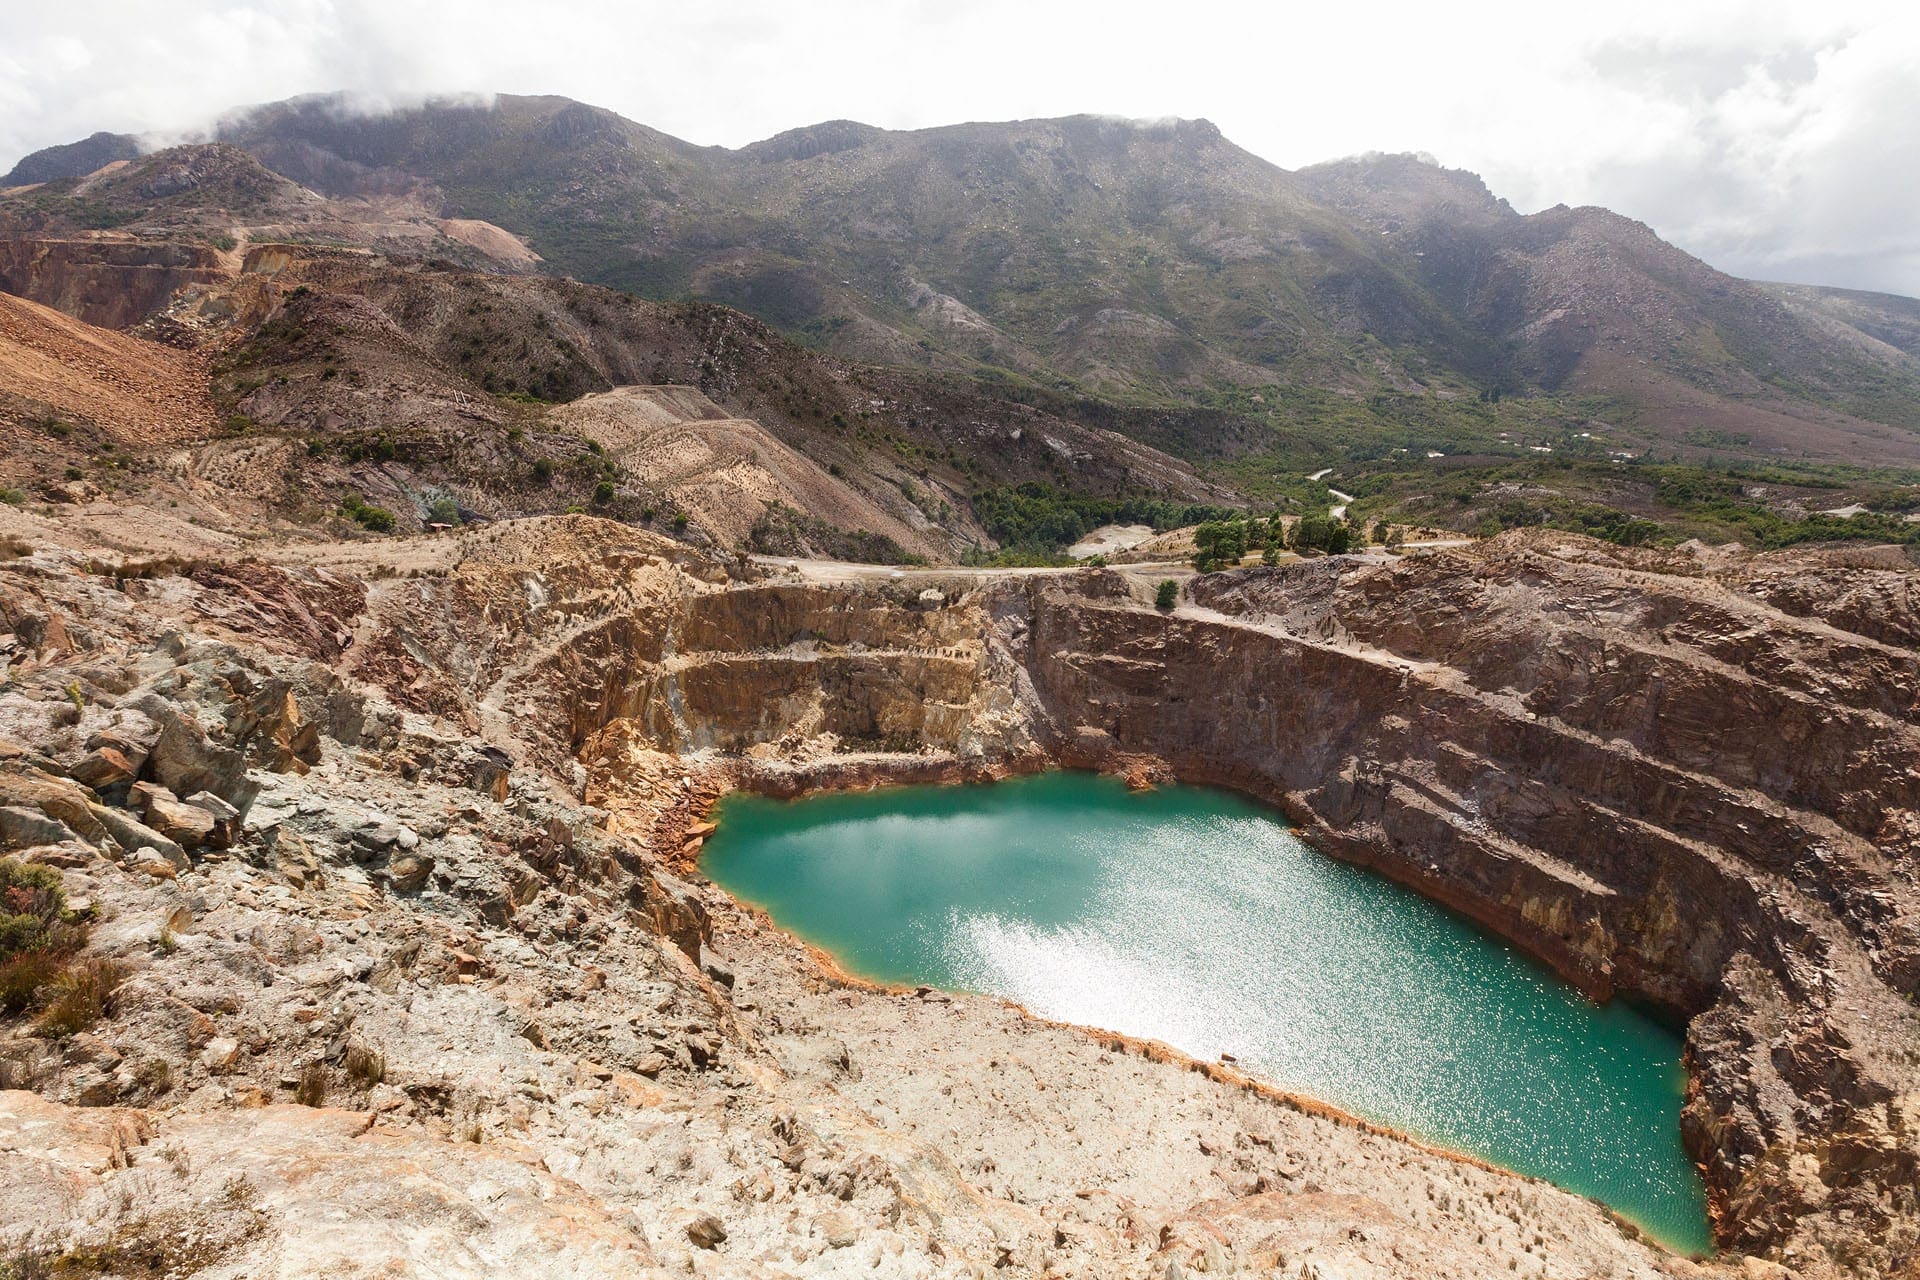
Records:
x=68, y=386
x=1587, y=299
x=73, y=159
x=1878, y=319
x=1117, y=254
x=341, y=375
x=994, y=305
x=1136, y=259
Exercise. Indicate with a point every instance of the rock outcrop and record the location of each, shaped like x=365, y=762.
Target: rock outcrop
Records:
x=392, y=867
x=114, y=284
x=1631, y=765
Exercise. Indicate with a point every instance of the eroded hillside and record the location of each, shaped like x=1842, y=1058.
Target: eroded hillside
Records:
x=304, y=386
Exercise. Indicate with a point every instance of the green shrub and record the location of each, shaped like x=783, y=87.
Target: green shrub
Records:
x=1037, y=517
x=603, y=492
x=444, y=510
x=32, y=905
x=366, y=515
x=1166, y=595
x=1219, y=544
x=1322, y=533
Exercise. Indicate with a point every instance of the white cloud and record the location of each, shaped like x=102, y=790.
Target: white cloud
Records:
x=1772, y=138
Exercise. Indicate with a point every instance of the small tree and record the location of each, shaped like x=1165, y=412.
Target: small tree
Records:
x=1321, y=533
x=1166, y=595
x=366, y=515
x=1270, y=554
x=1217, y=543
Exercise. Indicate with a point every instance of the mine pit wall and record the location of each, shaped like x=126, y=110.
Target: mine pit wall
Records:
x=1413, y=782
x=879, y=670
x=761, y=618
x=1593, y=858
x=113, y=284
x=893, y=702
x=728, y=671
x=1627, y=873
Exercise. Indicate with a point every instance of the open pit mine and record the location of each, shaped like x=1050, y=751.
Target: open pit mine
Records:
x=403, y=964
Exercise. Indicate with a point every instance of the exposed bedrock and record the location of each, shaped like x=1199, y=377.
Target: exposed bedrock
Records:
x=1682, y=777
x=110, y=283
x=1657, y=784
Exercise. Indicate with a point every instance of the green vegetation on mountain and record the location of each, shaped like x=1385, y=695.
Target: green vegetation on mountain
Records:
x=982, y=325
x=1036, y=518
x=1142, y=262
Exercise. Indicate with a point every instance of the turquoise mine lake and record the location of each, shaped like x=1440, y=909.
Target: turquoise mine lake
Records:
x=1196, y=917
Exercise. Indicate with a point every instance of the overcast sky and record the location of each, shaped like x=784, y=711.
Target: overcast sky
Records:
x=1776, y=140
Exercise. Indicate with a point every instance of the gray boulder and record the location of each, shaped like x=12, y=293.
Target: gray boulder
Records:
x=185, y=760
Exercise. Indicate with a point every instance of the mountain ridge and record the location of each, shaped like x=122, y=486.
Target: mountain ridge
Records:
x=1136, y=258
x=1148, y=278
x=864, y=239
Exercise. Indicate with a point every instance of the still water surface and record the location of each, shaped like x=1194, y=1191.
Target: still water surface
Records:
x=1193, y=916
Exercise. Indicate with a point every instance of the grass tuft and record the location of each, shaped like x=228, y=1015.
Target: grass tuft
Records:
x=366, y=1066
x=311, y=1091
x=81, y=995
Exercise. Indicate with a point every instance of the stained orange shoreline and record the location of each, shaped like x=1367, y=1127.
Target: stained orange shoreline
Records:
x=1138, y=772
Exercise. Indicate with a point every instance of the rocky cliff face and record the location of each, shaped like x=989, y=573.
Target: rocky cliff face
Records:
x=1633, y=764
x=1629, y=764
x=113, y=284
x=463, y=770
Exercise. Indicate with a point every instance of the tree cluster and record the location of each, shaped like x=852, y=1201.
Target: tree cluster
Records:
x=1222, y=544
